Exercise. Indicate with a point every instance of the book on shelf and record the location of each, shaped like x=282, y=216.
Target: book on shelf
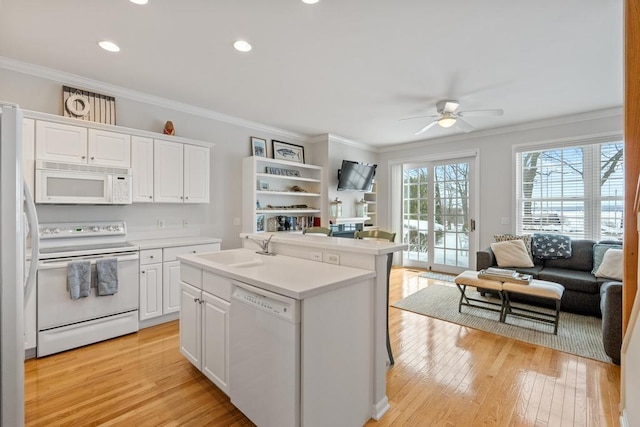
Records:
x=504, y=275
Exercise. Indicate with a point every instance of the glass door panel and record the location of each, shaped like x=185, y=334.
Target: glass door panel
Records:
x=438, y=194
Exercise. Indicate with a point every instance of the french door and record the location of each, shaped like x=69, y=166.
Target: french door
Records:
x=438, y=212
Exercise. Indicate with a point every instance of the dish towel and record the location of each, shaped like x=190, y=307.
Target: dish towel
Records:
x=79, y=279
x=107, y=269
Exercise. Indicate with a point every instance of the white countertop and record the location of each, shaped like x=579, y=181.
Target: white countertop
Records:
x=293, y=277
x=363, y=246
x=167, y=242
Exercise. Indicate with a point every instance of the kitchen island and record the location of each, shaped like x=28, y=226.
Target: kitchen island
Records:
x=289, y=340
x=365, y=254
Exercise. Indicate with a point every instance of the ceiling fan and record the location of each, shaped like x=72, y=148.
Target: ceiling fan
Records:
x=448, y=115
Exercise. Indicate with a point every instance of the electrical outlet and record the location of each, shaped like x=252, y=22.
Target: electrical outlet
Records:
x=236, y=221
x=316, y=256
x=185, y=223
x=505, y=220
x=161, y=223
x=332, y=259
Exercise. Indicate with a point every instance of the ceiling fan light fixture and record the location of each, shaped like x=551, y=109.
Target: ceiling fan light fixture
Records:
x=446, y=121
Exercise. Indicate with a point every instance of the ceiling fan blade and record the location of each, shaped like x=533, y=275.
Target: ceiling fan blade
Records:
x=427, y=127
x=418, y=117
x=464, y=126
x=481, y=113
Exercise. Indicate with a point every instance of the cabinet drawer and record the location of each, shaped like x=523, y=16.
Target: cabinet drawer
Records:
x=148, y=256
x=191, y=275
x=216, y=285
x=170, y=254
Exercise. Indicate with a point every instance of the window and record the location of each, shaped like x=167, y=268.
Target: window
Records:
x=577, y=191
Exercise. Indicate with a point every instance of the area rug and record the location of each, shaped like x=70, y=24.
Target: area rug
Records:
x=438, y=276
x=580, y=335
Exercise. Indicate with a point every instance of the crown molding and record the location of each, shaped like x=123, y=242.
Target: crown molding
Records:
x=122, y=92
x=538, y=124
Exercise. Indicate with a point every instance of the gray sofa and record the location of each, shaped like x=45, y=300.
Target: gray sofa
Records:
x=584, y=293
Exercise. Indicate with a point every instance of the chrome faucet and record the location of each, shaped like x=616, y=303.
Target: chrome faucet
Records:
x=264, y=244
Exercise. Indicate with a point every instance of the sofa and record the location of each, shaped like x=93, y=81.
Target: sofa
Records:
x=584, y=292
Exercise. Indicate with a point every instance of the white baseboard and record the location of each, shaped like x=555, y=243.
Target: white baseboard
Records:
x=380, y=408
x=158, y=320
x=624, y=422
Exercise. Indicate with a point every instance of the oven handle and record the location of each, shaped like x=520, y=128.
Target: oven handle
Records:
x=48, y=265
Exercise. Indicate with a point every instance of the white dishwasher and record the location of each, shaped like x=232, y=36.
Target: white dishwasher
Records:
x=264, y=356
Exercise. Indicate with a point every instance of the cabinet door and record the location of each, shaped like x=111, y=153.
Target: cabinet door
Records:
x=168, y=171
x=191, y=324
x=196, y=174
x=215, y=340
x=171, y=287
x=109, y=148
x=61, y=143
x=142, y=168
x=150, y=291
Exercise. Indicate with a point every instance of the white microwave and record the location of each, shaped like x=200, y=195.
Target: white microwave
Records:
x=63, y=183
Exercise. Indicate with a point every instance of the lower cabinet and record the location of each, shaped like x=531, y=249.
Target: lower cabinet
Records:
x=160, y=278
x=204, y=333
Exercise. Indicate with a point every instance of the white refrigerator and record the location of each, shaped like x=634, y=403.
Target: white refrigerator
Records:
x=17, y=213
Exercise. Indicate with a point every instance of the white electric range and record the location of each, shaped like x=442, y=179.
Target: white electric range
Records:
x=65, y=323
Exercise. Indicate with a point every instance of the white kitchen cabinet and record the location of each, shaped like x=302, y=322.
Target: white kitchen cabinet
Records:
x=142, y=169
x=204, y=328
x=150, y=284
x=168, y=172
x=171, y=273
x=109, y=148
x=180, y=173
x=60, y=142
x=295, y=189
x=196, y=174
x=191, y=324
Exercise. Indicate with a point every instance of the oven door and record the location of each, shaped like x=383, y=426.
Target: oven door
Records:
x=55, y=306
x=64, y=187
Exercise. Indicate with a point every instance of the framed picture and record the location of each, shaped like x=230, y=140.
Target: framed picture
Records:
x=258, y=147
x=260, y=223
x=286, y=151
x=263, y=185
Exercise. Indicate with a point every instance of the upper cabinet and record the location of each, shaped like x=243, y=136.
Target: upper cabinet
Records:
x=77, y=144
x=142, y=169
x=180, y=172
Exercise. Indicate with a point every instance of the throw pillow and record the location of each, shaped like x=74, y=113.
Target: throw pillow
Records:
x=551, y=246
x=599, y=249
x=611, y=267
x=511, y=253
x=526, y=238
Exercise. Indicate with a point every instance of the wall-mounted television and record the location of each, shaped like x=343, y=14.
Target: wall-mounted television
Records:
x=356, y=176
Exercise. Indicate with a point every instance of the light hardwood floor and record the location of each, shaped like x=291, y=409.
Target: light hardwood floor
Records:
x=445, y=375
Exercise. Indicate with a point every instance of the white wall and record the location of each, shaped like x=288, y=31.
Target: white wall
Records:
x=495, y=162
x=232, y=144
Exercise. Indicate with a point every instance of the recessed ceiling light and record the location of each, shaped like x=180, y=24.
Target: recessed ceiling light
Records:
x=242, y=46
x=109, y=46
x=310, y=1
x=139, y=1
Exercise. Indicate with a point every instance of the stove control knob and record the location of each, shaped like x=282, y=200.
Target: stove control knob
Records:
x=56, y=230
x=45, y=230
x=110, y=228
x=95, y=229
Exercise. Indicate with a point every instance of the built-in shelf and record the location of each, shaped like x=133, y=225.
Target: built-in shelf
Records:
x=348, y=220
x=371, y=197
x=261, y=189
